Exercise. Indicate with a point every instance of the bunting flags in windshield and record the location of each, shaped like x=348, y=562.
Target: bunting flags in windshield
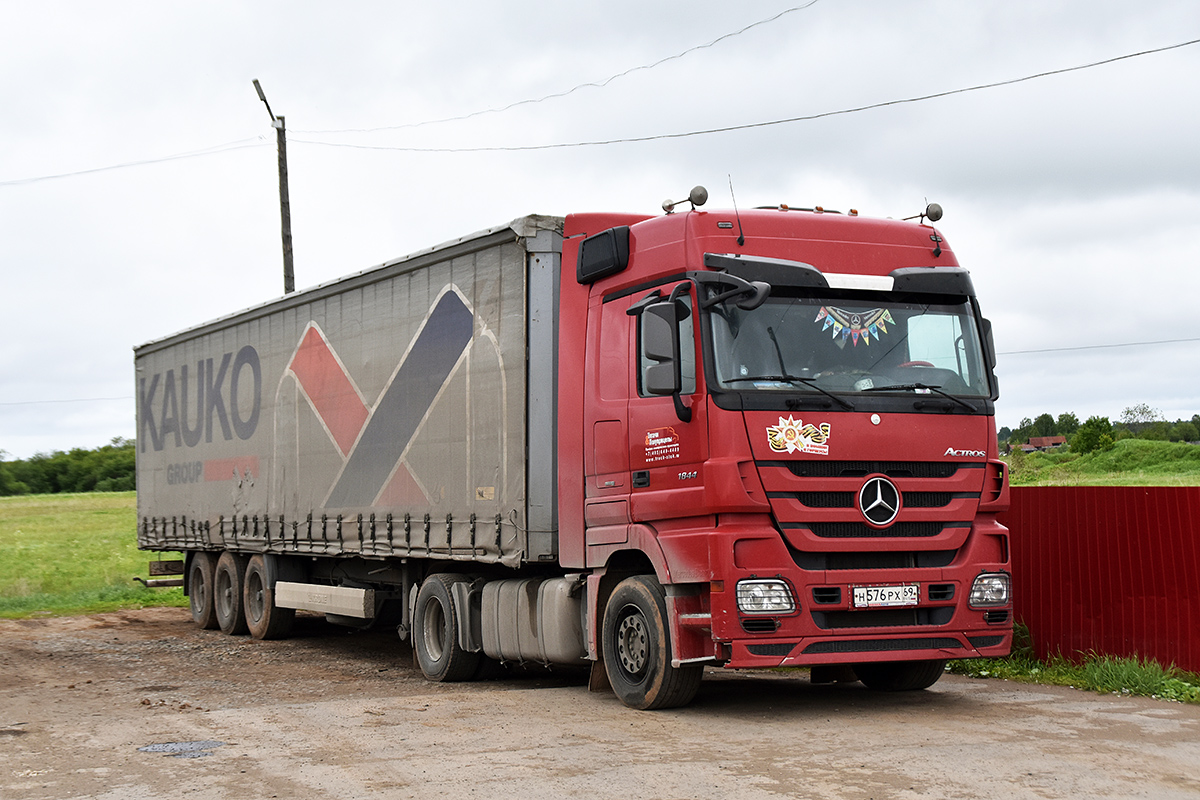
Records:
x=855, y=325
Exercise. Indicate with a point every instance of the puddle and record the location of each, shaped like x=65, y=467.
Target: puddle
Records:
x=183, y=749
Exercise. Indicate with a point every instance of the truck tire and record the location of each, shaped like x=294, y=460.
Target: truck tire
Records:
x=229, y=578
x=637, y=648
x=900, y=676
x=264, y=619
x=435, y=632
x=200, y=589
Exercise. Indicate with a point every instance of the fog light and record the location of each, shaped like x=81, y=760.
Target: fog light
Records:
x=990, y=589
x=765, y=597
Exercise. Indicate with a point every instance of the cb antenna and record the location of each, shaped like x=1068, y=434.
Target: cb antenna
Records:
x=741, y=240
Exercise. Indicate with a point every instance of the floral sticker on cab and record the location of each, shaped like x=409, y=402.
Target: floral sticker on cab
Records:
x=794, y=436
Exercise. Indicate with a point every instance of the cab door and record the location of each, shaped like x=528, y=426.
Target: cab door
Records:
x=607, y=382
x=666, y=453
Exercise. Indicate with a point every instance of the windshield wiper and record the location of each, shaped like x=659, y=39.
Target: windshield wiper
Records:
x=795, y=379
x=903, y=387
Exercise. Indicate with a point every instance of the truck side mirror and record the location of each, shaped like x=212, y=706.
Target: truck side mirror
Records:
x=988, y=342
x=989, y=345
x=660, y=343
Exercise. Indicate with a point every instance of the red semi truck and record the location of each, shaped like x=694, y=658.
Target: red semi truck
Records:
x=648, y=443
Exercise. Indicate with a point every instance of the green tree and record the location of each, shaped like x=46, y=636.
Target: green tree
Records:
x=1139, y=417
x=8, y=483
x=1043, y=425
x=1021, y=433
x=1066, y=425
x=1185, y=432
x=1095, y=434
x=107, y=468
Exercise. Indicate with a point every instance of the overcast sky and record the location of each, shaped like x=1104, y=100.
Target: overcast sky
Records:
x=1074, y=199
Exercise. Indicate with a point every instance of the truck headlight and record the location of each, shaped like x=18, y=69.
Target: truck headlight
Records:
x=765, y=596
x=990, y=589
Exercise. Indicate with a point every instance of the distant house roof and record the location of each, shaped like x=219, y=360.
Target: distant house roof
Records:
x=1046, y=441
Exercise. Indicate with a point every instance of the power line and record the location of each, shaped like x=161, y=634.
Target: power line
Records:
x=751, y=125
x=259, y=142
x=592, y=84
x=1096, y=347
x=72, y=400
x=207, y=151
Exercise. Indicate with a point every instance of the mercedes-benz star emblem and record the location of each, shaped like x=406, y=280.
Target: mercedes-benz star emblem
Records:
x=879, y=500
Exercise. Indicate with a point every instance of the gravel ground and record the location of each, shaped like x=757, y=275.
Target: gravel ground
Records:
x=142, y=704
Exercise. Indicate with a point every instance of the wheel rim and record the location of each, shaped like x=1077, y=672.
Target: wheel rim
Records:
x=633, y=642
x=257, y=603
x=433, y=630
x=199, y=591
x=224, y=593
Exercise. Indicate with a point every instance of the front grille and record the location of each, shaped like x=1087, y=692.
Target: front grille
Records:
x=985, y=641
x=927, y=499
x=877, y=645
x=882, y=617
x=899, y=559
x=781, y=649
x=822, y=499
x=861, y=469
x=861, y=530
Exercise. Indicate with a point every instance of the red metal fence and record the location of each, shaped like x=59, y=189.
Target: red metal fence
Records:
x=1110, y=570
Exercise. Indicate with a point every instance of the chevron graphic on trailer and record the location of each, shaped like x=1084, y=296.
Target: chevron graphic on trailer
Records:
x=373, y=440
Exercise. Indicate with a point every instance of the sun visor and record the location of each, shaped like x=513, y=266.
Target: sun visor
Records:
x=934, y=280
x=775, y=271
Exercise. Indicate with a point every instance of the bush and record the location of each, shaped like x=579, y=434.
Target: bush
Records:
x=105, y=469
x=1095, y=434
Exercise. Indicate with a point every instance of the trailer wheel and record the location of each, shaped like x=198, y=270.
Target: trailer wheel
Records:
x=227, y=598
x=637, y=648
x=264, y=619
x=900, y=676
x=200, y=589
x=435, y=632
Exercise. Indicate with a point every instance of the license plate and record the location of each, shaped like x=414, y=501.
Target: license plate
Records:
x=905, y=594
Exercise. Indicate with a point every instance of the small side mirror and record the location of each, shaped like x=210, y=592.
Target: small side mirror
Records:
x=761, y=291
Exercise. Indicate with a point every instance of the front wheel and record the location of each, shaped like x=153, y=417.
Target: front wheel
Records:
x=435, y=632
x=637, y=648
x=900, y=676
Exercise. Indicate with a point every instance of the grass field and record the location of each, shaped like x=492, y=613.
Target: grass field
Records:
x=73, y=554
x=1131, y=462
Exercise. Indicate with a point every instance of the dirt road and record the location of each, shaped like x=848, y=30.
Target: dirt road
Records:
x=333, y=714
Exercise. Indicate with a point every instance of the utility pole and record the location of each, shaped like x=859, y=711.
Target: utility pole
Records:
x=285, y=207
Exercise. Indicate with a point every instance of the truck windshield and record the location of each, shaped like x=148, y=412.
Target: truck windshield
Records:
x=850, y=342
